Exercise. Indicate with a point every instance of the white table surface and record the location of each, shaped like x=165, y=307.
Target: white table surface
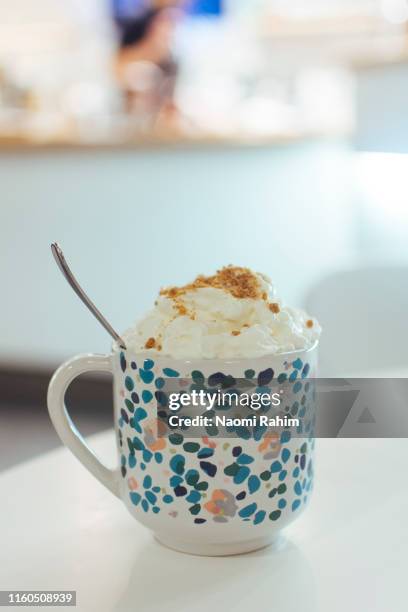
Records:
x=60, y=529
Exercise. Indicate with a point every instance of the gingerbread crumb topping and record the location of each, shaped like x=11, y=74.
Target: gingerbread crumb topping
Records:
x=309, y=323
x=275, y=308
x=239, y=282
x=181, y=309
x=150, y=343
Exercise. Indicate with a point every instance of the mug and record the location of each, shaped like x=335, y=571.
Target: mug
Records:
x=207, y=495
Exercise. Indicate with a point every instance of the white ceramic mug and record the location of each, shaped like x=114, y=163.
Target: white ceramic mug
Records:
x=206, y=496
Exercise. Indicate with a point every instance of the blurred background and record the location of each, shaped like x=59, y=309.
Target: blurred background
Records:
x=159, y=139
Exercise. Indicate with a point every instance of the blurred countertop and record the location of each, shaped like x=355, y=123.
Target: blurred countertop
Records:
x=164, y=141
x=355, y=43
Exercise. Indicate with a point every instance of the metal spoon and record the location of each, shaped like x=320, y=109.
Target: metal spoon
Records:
x=65, y=269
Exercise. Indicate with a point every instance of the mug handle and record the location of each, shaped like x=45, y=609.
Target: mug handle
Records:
x=63, y=424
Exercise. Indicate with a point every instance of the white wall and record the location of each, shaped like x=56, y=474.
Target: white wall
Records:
x=381, y=109
x=130, y=222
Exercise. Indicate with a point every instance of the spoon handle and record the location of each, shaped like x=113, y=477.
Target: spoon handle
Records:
x=66, y=271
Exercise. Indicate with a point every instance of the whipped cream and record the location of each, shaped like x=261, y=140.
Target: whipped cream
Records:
x=233, y=314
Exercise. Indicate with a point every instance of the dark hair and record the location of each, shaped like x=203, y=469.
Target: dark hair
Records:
x=134, y=30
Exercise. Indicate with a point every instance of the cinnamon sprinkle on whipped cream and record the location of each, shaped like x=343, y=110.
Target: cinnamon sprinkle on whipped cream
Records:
x=150, y=343
x=233, y=313
x=241, y=283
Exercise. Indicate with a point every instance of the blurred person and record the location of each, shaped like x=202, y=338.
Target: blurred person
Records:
x=145, y=65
